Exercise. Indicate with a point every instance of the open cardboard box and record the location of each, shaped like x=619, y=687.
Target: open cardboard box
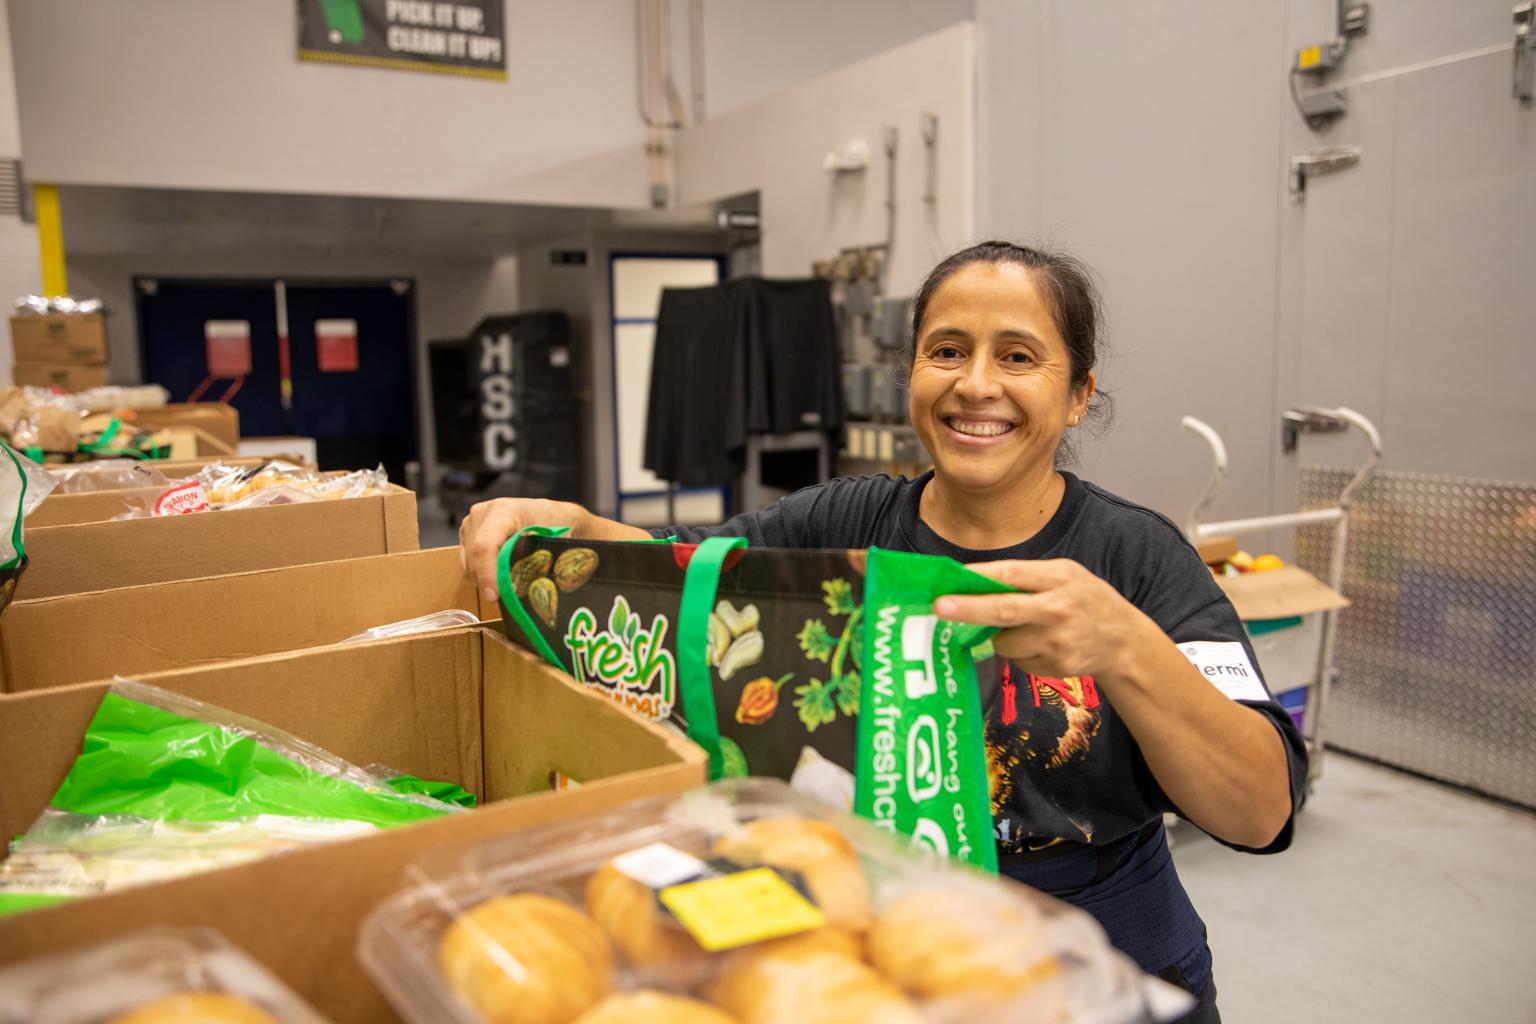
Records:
x=217, y=419
x=462, y=706
x=163, y=626
x=1282, y=611
x=84, y=557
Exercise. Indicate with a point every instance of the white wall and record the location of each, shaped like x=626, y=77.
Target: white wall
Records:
x=20, y=270
x=1167, y=174
x=776, y=148
x=1163, y=173
x=209, y=94
x=450, y=299
x=755, y=50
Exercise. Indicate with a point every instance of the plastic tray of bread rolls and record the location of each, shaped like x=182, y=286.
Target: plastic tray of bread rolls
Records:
x=155, y=975
x=739, y=903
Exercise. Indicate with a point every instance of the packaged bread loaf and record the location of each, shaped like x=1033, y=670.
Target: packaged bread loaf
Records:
x=741, y=902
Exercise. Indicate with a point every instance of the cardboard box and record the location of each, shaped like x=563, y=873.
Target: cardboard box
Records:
x=1282, y=610
x=218, y=420
x=165, y=626
x=1215, y=550
x=103, y=556
x=68, y=376
x=463, y=706
x=294, y=449
x=60, y=338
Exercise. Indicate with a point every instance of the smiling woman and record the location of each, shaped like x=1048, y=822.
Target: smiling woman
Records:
x=1102, y=723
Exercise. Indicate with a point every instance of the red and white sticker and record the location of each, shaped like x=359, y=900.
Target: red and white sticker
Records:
x=180, y=500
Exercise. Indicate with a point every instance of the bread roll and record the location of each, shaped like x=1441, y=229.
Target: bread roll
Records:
x=627, y=912
x=647, y=1007
x=819, y=852
x=526, y=959
x=946, y=944
x=803, y=984
x=196, y=1008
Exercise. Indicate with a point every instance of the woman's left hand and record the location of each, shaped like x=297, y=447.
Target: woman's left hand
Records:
x=1067, y=623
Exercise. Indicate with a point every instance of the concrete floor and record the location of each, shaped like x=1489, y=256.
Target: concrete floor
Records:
x=1400, y=901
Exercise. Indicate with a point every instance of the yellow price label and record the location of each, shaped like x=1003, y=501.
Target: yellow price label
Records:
x=737, y=909
x=1311, y=57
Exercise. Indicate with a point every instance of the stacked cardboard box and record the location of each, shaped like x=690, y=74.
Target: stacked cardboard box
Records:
x=67, y=351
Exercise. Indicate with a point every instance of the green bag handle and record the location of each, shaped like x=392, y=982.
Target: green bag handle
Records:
x=513, y=603
x=21, y=503
x=700, y=584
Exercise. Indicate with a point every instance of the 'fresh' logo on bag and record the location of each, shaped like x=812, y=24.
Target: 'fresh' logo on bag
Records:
x=626, y=661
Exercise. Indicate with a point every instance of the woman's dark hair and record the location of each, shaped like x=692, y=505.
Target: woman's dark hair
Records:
x=1074, y=302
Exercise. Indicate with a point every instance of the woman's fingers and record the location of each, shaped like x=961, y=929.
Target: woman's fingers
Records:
x=489, y=525
x=1003, y=610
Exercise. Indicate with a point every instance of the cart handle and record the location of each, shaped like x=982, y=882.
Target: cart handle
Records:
x=1218, y=472
x=1365, y=472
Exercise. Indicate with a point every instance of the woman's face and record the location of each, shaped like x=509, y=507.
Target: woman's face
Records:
x=991, y=385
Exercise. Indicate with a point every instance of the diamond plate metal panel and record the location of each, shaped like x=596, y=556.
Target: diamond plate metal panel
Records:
x=1436, y=656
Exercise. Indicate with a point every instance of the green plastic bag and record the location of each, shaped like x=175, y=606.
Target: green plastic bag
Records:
x=167, y=786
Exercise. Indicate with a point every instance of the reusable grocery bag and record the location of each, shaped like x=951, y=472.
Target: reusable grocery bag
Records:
x=773, y=660
x=23, y=486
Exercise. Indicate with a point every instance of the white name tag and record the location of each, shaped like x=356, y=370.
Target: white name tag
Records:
x=1226, y=666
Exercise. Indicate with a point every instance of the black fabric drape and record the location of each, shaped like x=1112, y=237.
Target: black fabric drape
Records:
x=748, y=356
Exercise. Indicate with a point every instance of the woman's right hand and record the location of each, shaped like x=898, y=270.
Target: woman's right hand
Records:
x=490, y=523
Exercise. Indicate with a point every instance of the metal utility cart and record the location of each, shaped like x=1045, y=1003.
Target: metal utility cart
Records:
x=1296, y=422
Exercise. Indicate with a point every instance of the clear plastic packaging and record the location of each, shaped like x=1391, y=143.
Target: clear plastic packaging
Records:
x=186, y=974
x=420, y=624
x=107, y=475
x=167, y=786
x=547, y=924
x=228, y=485
x=114, y=397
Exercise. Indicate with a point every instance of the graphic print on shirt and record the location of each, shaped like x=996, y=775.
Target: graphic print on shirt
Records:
x=1038, y=727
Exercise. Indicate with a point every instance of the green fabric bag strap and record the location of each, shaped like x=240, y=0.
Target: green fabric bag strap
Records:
x=21, y=503
x=700, y=584
x=513, y=603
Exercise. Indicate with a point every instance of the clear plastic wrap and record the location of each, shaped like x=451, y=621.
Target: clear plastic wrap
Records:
x=227, y=485
x=421, y=624
x=168, y=786
x=107, y=475
x=114, y=397
x=45, y=305
x=752, y=899
x=183, y=974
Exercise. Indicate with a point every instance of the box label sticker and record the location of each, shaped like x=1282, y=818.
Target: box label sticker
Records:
x=659, y=865
x=1227, y=667
x=181, y=500
x=738, y=909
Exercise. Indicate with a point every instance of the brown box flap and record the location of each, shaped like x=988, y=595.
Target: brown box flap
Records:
x=102, y=556
x=1215, y=550
x=182, y=623
x=1279, y=594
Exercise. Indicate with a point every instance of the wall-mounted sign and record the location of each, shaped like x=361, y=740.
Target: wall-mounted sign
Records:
x=229, y=347
x=336, y=346
x=462, y=37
